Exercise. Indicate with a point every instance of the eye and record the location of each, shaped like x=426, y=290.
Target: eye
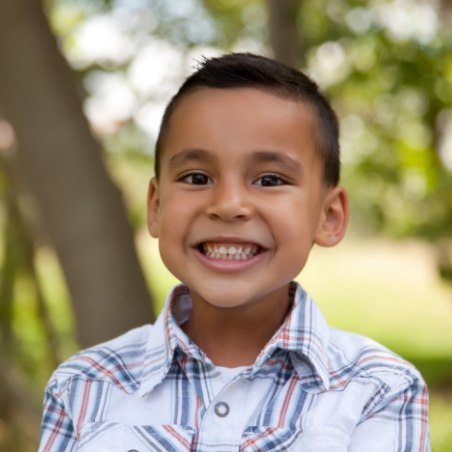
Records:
x=196, y=179
x=270, y=180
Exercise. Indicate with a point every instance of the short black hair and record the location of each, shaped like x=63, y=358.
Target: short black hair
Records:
x=247, y=70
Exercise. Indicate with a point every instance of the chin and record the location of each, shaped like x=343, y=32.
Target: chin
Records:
x=224, y=302
x=222, y=298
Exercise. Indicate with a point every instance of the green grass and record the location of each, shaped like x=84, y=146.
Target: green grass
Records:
x=389, y=291
x=441, y=421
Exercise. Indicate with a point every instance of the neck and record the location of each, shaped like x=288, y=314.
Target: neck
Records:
x=233, y=337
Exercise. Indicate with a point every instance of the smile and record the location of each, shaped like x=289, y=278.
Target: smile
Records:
x=229, y=251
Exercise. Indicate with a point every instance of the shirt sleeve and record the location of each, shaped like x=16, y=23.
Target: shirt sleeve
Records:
x=398, y=422
x=57, y=431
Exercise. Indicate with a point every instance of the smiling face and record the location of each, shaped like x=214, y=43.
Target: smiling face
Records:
x=241, y=199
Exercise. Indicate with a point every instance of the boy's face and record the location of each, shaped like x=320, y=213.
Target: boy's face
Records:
x=241, y=198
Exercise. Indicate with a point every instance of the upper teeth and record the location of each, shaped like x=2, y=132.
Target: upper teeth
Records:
x=230, y=251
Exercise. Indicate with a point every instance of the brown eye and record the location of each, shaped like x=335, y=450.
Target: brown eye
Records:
x=196, y=179
x=270, y=180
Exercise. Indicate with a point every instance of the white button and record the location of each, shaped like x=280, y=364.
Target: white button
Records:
x=221, y=409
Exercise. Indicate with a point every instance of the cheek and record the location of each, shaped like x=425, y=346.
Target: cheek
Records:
x=171, y=246
x=294, y=230
x=173, y=210
x=177, y=216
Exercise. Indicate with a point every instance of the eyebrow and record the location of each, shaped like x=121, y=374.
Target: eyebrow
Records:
x=276, y=157
x=198, y=154
x=188, y=155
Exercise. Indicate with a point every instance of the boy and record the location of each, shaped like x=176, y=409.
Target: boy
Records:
x=247, y=172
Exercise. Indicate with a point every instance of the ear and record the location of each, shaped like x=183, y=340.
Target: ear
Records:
x=153, y=208
x=334, y=218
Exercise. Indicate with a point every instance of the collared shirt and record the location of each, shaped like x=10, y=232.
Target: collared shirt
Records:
x=312, y=388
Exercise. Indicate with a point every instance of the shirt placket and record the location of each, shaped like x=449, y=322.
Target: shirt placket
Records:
x=223, y=422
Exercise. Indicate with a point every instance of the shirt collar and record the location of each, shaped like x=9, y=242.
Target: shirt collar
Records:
x=166, y=338
x=304, y=335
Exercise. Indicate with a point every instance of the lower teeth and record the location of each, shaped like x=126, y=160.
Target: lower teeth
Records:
x=235, y=257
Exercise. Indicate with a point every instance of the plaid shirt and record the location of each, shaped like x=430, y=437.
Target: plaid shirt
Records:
x=312, y=388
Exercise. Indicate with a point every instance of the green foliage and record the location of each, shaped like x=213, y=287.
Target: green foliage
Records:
x=236, y=20
x=391, y=91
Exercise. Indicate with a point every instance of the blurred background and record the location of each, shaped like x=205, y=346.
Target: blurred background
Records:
x=83, y=84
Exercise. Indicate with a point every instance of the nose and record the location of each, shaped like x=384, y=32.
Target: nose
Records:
x=230, y=202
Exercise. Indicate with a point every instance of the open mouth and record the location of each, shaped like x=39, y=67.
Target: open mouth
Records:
x=229, y=251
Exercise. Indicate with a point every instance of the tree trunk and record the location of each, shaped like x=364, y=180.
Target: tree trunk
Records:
x=284, y=35
x=81, y=207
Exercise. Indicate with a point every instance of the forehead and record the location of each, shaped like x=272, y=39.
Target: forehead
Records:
x=244, y=102
x=240, y=119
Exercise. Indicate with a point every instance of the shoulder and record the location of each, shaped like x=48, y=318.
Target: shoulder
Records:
x=360, y=359
x=117, y=361
x=382, y=386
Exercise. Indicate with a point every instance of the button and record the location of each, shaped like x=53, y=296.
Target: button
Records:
x=221, y=409
x=132, y=450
